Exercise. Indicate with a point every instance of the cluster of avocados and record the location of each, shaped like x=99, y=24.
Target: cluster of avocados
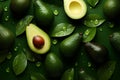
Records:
x=39, y=41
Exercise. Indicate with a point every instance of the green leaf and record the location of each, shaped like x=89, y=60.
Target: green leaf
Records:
x=89, y=34
x=62, y=29
x=19, y=63
x=37, y=76
x=93, y=20
x=93, y=3
x=105, y=72
x=29, y=55
x=21, y=26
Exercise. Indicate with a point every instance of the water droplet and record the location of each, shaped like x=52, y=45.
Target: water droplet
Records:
x=6, y=9
x=7, y=70
x=82, y=71
x=16, y=48
x=64, y=28
x=96, y=22
x=56, y=12
x=101, y=29
x=90, y=7
x=38, y=64
x=110, y=24
x=54, y=41
x=89, y=64
x=9, y=56
x=87, y=32
x=6, y=18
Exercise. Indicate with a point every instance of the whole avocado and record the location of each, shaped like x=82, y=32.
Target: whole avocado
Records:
x=115, y=40
x=70, y=45
x=43, y=14
x=19, y=7
x=53, y=65
x=7, y=38
x=97, y=52
x=111, y=9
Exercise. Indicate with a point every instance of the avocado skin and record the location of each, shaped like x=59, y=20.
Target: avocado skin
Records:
x=43, y=14
x=97, y=52
x=53, y=65
x=1, y=11
x=115, y=40
x=68, y=74
x=7, y=38
x=19, y=8
x=69, y=46
x=111, y=9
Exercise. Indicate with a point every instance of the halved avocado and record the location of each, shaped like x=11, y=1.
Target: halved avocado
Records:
x=75, y=9
x=38, y=40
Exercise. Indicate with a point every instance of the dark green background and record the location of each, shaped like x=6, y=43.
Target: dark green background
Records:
x=101, y=37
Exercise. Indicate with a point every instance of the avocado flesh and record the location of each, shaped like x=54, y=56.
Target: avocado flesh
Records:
x=75, y=9
x=31, y=31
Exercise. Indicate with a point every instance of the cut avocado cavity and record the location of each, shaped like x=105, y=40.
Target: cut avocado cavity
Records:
x=75, y=9
x=38, y=40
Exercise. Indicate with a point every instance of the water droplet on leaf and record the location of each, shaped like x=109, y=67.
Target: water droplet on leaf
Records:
x=56, y=12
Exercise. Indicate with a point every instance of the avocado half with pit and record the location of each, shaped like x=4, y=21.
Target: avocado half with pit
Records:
x=38, y=40
x=75, y=9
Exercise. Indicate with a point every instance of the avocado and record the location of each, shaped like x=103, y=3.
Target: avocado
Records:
x=115, y=40
x=38, y=40
x=68, y=74
x=7, y=38
x=43, y=14
x=19, y=7
x=111, y=9
x=75, y=9
x=69, y=45
x=53, y=65
x=97, y=52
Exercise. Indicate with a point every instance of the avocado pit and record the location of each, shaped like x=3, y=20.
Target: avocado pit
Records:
x=38, y=41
